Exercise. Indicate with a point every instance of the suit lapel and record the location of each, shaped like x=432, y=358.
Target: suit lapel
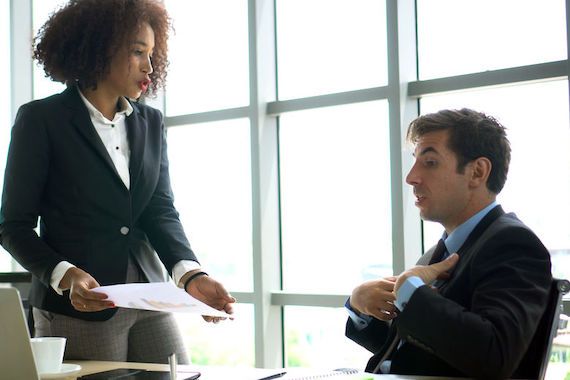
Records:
x=136, y=133
x=474, y=236
x=491, y=216
x=82, y=122
x=480, y=228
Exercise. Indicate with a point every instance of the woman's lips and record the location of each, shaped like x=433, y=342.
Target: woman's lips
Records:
x=143, y=85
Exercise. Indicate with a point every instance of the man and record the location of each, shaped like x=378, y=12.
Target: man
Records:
x=472, y=313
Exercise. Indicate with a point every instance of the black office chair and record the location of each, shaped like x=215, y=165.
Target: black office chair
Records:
x=21, y=281
x=537, y=356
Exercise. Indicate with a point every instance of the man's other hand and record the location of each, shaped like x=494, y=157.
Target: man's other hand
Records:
x=375, y=298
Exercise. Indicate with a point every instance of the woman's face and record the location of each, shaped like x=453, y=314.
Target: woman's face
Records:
x=131, y=66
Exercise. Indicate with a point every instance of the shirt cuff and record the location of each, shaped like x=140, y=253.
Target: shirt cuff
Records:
x=57, y=274
x=181, y=268
x=406, y=291
x=360, y=321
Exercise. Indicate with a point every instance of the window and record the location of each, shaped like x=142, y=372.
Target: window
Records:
x=335, y=197
x=460, y=37
x=327, y=46
x=208, y=56
x=229, y=343
x=318, y=341
x=334, y=173
x=330, y=204
x=211, y=180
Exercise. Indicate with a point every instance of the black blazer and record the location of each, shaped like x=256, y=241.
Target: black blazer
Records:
x=59, y=170
x=482, y=320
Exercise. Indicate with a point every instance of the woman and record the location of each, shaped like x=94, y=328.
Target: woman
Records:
x=92, y=164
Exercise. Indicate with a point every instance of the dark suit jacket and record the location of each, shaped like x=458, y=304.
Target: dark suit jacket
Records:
x=58, y=169
x=482, y=320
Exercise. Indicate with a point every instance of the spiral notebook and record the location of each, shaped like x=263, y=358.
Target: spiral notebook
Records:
x=337, y=374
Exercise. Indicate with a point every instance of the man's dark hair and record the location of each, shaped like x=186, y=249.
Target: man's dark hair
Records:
x=472, y=135
x=78, y=41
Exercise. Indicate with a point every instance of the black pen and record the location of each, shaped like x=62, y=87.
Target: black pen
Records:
x=274, y=376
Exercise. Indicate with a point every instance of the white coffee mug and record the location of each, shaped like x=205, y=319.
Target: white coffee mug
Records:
x=48, y=353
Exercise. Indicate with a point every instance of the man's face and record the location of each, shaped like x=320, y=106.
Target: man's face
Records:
x=442, y=194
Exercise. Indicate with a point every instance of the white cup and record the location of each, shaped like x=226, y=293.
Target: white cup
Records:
x=48, y=353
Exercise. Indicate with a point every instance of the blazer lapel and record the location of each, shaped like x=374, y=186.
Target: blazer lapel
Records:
x=480, y=228
x=136, y=133
x=82, y=122
x=473, y=237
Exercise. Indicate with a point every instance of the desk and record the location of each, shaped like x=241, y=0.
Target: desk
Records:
x=223, y=373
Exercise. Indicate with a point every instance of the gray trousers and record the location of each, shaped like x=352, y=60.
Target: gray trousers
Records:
x=130, y=335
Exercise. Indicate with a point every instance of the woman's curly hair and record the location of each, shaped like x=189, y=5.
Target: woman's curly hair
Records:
x=78, y=41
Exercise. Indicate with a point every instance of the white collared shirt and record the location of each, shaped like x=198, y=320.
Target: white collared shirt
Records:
x=113, y=134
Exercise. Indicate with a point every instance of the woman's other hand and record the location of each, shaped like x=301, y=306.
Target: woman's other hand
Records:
x=212, y=293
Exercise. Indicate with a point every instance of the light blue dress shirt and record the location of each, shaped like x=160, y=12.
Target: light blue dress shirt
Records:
x=452, y=242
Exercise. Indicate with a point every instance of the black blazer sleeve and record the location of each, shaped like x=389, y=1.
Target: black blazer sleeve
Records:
x=25, y=177
x=376, y=328
x=483, y=322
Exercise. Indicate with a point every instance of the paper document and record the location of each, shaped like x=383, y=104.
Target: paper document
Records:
x=158, y=296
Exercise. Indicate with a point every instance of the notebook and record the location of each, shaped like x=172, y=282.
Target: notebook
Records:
x=16, y=358
x=337, y=374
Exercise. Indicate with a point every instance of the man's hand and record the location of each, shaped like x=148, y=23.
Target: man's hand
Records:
x=429, y=273
x=82, y=298
x=375, y=298
x=212, y=293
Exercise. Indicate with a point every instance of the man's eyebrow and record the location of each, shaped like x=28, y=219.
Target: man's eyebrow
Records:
x=426, y=150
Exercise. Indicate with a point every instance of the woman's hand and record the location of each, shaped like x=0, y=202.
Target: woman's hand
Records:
x=82, y=298
x=212, y=293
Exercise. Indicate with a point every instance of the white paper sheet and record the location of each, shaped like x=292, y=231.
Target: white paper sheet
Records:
x=158, y=296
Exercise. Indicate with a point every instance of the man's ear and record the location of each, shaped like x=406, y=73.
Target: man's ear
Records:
x=480, y=171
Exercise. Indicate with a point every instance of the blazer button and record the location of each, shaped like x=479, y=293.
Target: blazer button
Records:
x=124, y=230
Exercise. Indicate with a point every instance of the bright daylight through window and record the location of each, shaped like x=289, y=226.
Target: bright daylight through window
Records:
x=5, y=108
x=286, y=152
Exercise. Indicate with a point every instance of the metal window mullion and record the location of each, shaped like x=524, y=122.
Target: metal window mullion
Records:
x=265, y=192
x=568, y=44
x=528, y=73
x=282, y=298
x=21, y=65
x=402, y=58
x=209, y=116
x=348, y=97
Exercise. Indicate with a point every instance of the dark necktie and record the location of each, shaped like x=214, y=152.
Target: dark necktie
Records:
x=439, y=253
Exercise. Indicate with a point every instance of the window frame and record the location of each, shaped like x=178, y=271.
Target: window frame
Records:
x=402, y=92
